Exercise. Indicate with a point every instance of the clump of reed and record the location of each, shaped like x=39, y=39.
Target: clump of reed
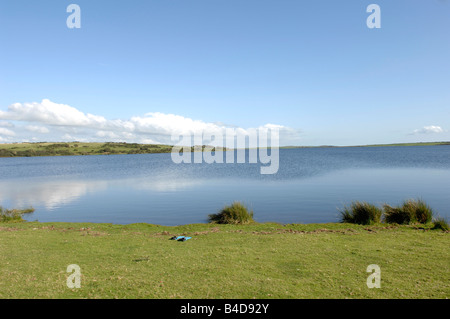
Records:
x=236, y=213
x=411, y=211
x=361, y=213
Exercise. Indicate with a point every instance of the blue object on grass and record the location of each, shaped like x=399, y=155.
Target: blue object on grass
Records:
x=177, y=237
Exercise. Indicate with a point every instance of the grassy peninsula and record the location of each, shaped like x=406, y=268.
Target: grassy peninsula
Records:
x=77, y=148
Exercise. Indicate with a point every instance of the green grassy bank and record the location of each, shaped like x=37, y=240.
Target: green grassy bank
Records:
x=223, y=261
x=77, y=148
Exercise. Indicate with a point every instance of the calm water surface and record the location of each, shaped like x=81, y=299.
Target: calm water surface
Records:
x=310, y=186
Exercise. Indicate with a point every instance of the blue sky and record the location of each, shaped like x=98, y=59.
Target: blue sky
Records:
x=138, y=70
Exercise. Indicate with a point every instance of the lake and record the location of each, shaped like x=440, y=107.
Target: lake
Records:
x=311, y=185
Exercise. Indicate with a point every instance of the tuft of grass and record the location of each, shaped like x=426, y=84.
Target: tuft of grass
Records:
x=396, y=215
x=235, y=213
x=441, y=223
x=13, y=215
x=362, y=213
x=411, y=211
x=422, y=212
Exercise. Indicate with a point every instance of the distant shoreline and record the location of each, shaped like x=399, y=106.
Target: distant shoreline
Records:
x=376, y=145
x=121, y=148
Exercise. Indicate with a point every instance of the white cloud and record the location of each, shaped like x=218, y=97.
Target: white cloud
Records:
x=154, y=127
x=106, y=134
x=428, y=129
x=47, y=112
x=6, y=124
x=148, y=141
x=168, y=124
x=71, y=138
x=6, y=132
x=37, y=129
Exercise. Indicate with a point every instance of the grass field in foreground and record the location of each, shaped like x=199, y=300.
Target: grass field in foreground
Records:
x=222, y=261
